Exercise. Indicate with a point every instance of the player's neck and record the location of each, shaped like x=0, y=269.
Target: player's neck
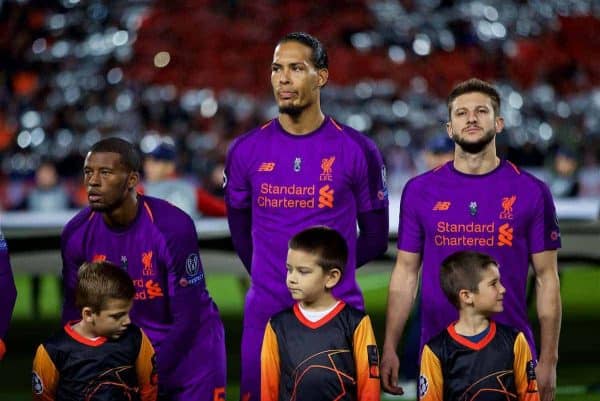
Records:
x=476, y=164
x=123, y=215
x=306, y=122
x=84, y=330
x=471, y=322
x=324, y=302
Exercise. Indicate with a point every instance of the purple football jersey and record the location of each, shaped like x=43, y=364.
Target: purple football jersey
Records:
x=159, y=250
x=8, y=291
x=506, y=213
x=292, y=182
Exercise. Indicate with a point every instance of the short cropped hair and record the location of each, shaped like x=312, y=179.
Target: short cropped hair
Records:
x=463, y=271
x=130, y=157
x=325, y=243
x=475, y=85
x=319, y=53
x=99, y=282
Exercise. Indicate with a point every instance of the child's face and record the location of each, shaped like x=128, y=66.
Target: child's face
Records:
x=112, y=321
x=306, y=280
x=490, y=293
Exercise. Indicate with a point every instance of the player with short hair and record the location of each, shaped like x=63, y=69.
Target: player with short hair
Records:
x=298, y=170
x=101, y=356
x=156, y=243
x=476, y=358
x=321, y=348
x=483, y=203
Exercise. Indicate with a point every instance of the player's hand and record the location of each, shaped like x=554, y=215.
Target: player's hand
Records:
x=546, y=380
x=390, y=365
x=2, y=349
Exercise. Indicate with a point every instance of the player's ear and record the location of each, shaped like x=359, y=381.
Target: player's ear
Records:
x=449, y=129
x=333, y=277
x=323, y=77
x=133, y=180
x=86, y=314
x=465, y=297
x=499, y=124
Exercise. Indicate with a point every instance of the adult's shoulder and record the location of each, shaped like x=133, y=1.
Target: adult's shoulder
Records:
x=77, y=222
x=358, y=138
x=250, y=138
x=524, y=178
x=167, y=217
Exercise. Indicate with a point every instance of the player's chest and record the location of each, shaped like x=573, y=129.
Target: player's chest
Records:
x=300, y=165
x=456, y=209
x=137, y=254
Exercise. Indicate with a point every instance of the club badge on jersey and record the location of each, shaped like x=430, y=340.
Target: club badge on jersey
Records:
x=297, y=164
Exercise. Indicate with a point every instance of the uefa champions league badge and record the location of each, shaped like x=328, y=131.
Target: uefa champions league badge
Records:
x=423, y=386
x=36, y=384
x=473, y=208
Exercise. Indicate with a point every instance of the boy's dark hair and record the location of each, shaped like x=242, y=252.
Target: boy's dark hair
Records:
x=326, y=243
x=319, y=53
x=98, y=282
x=475, y=85
x=130, y=157
x=462, y=271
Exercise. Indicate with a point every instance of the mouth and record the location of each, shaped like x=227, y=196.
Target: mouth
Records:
x=286, y=95
x=94, y=197
x=472, y=129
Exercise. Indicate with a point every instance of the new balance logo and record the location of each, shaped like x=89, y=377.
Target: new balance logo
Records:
x=505, y=235
x=266, y=166
x=441, y=206
x=326, y=197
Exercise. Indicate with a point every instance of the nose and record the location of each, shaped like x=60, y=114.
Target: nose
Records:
x=472, y=117
x=126, y=320
x=502, y=289
x=284, y=76
x=92, y=179
x=291, y=277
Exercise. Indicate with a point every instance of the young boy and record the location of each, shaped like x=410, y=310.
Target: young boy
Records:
x=102, y=356
x=321, y=348
x=476, y=358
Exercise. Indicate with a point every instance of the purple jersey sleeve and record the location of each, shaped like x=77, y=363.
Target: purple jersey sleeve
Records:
x=370, y=184
x=72, y=260
x=544, y=233
x=238, y=190
x=187, y=293
x=8, y=292
x=410, y=230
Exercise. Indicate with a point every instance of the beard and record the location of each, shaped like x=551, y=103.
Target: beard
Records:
x=293, y=111
x=476, y=146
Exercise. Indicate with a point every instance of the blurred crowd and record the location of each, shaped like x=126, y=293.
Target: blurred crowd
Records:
x=194, y=74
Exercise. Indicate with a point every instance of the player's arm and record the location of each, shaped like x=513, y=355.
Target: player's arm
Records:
x=69, y=280
x=8, y=293
x=238, y=193
x=269, y=366
x=401, y=296
x=185, y=291
x=549, y=313
x=431, y=380
x=366, y=359
x=373, y=235
x=44, y=376
x=240, y=227
x=146, y=370
x=524, y=368
x=370, y=192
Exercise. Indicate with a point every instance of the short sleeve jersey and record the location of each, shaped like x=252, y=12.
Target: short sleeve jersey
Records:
x=506, y=213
